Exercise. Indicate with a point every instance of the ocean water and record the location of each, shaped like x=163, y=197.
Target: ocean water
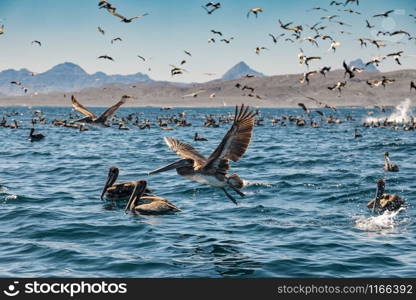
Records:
x=304, y=215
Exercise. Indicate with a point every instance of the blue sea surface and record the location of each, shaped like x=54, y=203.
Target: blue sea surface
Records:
x=304, y=214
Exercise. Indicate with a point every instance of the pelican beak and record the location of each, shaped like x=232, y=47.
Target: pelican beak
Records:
x=138, y=191
x=112, y=177
x=175, y=165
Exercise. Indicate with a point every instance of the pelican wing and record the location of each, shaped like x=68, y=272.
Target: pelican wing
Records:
x=110, y=111
x=115, y=14
x=79, y=107
x=235, y=142
x=186, y=151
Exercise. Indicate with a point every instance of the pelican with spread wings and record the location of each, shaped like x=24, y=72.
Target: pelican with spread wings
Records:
x=213, y=170
x=91, y=118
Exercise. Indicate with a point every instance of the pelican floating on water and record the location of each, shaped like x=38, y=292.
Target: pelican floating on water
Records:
x=35, y=137
x=383, y=201
x=213, y=170
x=388, y=165
x=91, y=118
x=148, y=205
x=118, y=191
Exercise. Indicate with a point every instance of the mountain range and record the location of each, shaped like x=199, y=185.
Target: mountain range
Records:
x=69, y=77
x=64, y=77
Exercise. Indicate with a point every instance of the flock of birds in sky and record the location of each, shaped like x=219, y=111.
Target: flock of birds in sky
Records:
x=313, y=34
x=213, y=170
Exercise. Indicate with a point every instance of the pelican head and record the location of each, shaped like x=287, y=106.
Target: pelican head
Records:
x=112, y=177
x=175, y=165
x=139, y=189
x=379, y=192
x=386, y=154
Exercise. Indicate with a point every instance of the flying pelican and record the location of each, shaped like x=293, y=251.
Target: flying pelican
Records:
x=213, y=170
x=100, y=30
x=350, y=70
x=383, y=201
x=334, y=45
x=148, y=205
x=388, y=165
x=105, y=57
x=386, y=14
x=116, y=39
x=1, y=29
x=324, y=70
x=37, y=42
x=305, y=77
x=352, y=1
x=255, y=11
x=118, y=191
x=194, y=95
x=91, y=118
x=412, y=85
x=339, y=85
x=124, y=19
x=368, y=25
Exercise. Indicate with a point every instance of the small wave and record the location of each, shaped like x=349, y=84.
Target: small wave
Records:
x=10, y=197
x=247, y=183
x=385, y=221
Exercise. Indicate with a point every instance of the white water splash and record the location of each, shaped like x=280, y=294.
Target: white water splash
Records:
x=378, y=223
x=402, y=114
x=247, y=183
x=10, y=197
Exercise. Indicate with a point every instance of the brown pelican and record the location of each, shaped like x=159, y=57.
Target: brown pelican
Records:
x=357, y=133
x=118, y=191
x=148, y=205
x=386, y=14
x=388, y=165
x=105, y=57
x=383, y=201
x=91, y=118
x=255, y=11
x=100, y=30
x=199, y=138
x=35, y=137
x=412, y=85
x=125, y=19
x=350, y=70
x=213, y=170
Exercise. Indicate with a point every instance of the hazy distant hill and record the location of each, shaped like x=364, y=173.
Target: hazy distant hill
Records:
x=61, y=78
x=239, y=70
x=275, y=91
x=360, y=64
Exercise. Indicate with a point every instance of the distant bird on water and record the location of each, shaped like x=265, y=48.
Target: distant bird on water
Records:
x=35, y=137
x=117, y=191
x=388, y=165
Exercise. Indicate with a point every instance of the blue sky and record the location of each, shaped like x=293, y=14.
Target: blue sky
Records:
x=68, y=31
